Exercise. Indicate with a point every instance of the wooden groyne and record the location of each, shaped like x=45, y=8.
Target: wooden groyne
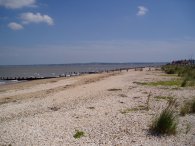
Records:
x=24, y=78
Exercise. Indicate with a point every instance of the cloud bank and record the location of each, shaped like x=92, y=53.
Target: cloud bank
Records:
x=16, y=4
x=15, y=26
x=36, y=18
x=142, y=11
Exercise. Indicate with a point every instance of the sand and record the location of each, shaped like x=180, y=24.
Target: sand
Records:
x=49, y=112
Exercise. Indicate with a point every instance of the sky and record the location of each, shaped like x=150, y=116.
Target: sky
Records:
x=83, y=31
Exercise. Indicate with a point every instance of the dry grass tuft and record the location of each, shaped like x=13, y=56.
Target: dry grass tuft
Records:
x=114, y=89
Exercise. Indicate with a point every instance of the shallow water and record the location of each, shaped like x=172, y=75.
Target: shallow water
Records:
x=62, y=69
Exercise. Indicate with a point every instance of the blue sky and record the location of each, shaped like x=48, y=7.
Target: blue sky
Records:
x=79, y=31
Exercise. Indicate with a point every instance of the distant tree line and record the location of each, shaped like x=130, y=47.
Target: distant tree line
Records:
x=183, y=62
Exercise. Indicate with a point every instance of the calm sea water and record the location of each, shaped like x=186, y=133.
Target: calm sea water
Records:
x=62, y=69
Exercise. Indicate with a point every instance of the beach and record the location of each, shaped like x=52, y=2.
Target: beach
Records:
x=111, y=108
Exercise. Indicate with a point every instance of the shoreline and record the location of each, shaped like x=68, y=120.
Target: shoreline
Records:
x=15, y=80
x=34, y=72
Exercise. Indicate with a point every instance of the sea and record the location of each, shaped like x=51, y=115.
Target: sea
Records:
x=56, y=70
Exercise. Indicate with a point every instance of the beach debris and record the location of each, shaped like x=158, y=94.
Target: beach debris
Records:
x=54, y=108
x=115, y=89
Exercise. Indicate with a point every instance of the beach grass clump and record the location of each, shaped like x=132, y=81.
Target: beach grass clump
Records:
x=162, y=83
x=188, y=77
x=188, y=107
x=193, y=106
x=175, y=69
x=164, y=97
x=166, y=122
x=184, y=83
x=185, y=109
x=169, y=75
x=140, y=83
x=125, y=111
x=148, y=101
x=188, y=82
x=128, y=110
x=78, y=134
x=114, y=89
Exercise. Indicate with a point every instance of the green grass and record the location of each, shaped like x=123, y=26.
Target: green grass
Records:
x=186, y=72
x=169, y=75
x=165, y=83
x=184, y=109
x=140, y=83
x=114, y=89
x=164, y=97
x=193, y=106
x=162, y=83
x=165, y=123
x=78, y=134
x=188, y=107
x=148, y=101
x=128, y=110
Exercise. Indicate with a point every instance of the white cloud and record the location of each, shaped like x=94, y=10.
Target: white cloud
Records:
x=142, y=11
x=15, y=26
x=15, y=4
x=36, y=18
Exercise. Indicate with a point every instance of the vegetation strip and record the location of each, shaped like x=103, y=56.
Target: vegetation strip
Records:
x=186, y=72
